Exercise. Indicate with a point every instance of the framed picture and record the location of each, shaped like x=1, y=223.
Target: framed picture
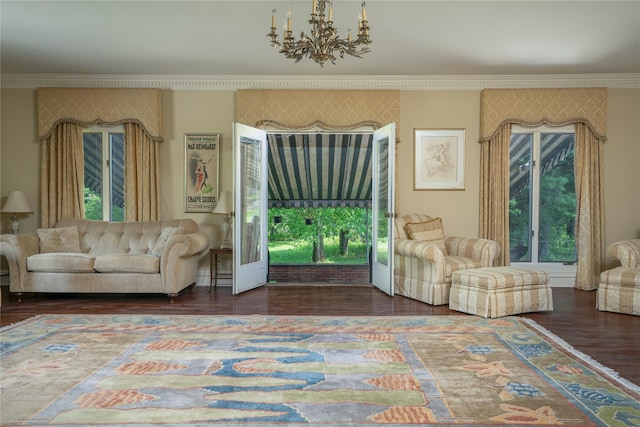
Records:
x=438, y=159
x=201, y=176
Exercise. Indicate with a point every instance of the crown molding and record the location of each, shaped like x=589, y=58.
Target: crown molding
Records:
x=204, y=83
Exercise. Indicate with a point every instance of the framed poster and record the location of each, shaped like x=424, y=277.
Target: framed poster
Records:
x=201, y=158
x=438, y=159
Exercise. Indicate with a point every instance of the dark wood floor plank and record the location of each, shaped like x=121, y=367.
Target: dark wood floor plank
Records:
x=611, y=339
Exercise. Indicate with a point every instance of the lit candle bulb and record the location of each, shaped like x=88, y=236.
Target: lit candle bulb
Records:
x=364, y=11
x=331, y=11
x=273, y=18
x=289, y=21
x=313, y=7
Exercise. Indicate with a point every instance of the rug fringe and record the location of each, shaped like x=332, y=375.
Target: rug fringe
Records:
x=611, y=373
x=20, y=322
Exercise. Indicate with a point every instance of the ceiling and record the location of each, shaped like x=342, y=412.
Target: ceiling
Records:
x=410, y=38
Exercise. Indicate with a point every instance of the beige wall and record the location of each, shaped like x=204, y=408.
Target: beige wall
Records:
x=214, y=111
x=622, y=167
x=459, y=209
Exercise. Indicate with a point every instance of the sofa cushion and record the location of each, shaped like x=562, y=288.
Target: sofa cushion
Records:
x=166, y=235
x=430, y=231
x=61, y=263
x=65, y=239
x=127, y=263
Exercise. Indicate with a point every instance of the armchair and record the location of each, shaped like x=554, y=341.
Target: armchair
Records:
x=627, y=252
x=619, y=289
x=425, y=258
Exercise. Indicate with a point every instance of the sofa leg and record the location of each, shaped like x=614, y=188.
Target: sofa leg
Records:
x=172, y=297
x=18, y=296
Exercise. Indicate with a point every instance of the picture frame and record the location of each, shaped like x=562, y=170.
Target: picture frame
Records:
x=201, y=171
x=438, y=159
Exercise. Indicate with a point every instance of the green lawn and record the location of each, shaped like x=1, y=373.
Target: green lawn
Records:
x=288, y=252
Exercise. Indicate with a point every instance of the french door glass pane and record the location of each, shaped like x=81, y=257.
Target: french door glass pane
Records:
x=251, y=201
x=520, y=197
x=382, y=239
x=557, y=209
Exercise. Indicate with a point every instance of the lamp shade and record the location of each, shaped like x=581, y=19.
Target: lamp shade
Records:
x=16, y=203
x=224, y=203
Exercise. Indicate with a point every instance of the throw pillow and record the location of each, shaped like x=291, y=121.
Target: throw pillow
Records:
x=431, y=231
x=59, y=240
x=166, y=235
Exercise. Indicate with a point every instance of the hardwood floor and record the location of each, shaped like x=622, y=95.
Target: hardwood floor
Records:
x=610, y=338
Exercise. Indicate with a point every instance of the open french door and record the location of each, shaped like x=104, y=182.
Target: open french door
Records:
x=250, y=259
x=383, y=183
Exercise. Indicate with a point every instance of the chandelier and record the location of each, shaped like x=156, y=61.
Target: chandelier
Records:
x=323, y=43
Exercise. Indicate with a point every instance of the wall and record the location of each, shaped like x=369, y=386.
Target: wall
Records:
x=441, y=110
x=214, y=112
x=622, y=167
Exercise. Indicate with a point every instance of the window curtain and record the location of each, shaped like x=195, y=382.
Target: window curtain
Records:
x=63, y=112
x=585, y=108
x=590, y=201
x=330, y=109
x=142, y=175
x=494, y=191
x=62, y=178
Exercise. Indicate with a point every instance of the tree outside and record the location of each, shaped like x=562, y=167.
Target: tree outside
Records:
x=556, y=216
x=319, y=235
x=93, y=207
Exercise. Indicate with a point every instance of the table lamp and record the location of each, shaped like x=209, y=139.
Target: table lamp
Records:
x=224, y=207
x=16, y=204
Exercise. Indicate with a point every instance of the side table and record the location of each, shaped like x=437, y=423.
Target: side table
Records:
x=213, y=265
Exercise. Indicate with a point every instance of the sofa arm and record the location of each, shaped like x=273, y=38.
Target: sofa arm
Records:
x=179, y=260
x=627, y=252
x=484, y=250
x=186, y=245
x=16, y=248
x=418, y=249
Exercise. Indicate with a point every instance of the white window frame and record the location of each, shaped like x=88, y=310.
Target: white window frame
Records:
x=561, y=275
x=106, y=162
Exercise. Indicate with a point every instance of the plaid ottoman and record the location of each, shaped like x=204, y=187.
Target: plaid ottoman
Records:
x=500, y=291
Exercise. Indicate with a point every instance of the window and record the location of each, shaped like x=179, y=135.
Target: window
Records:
x=104, y=173
x=542, y=200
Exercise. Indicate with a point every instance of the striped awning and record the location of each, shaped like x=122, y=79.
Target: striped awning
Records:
x=555, y=147
x=320, y=170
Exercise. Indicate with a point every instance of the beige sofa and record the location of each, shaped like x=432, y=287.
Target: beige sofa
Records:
x=619, y=289
x=425, y=258
x=79, y=255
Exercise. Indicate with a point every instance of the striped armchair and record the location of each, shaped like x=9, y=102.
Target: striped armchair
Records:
x=423, y=270
x=619, y=289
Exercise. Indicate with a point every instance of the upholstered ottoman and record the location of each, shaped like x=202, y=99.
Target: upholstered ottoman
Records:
x=500, y=291
x=619, y=291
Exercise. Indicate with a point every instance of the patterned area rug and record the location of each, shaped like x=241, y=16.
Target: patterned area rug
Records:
x=277, y=370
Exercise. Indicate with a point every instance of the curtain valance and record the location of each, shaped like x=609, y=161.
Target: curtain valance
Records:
x=90, y=106
x=535, y=107
x=337, y=109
